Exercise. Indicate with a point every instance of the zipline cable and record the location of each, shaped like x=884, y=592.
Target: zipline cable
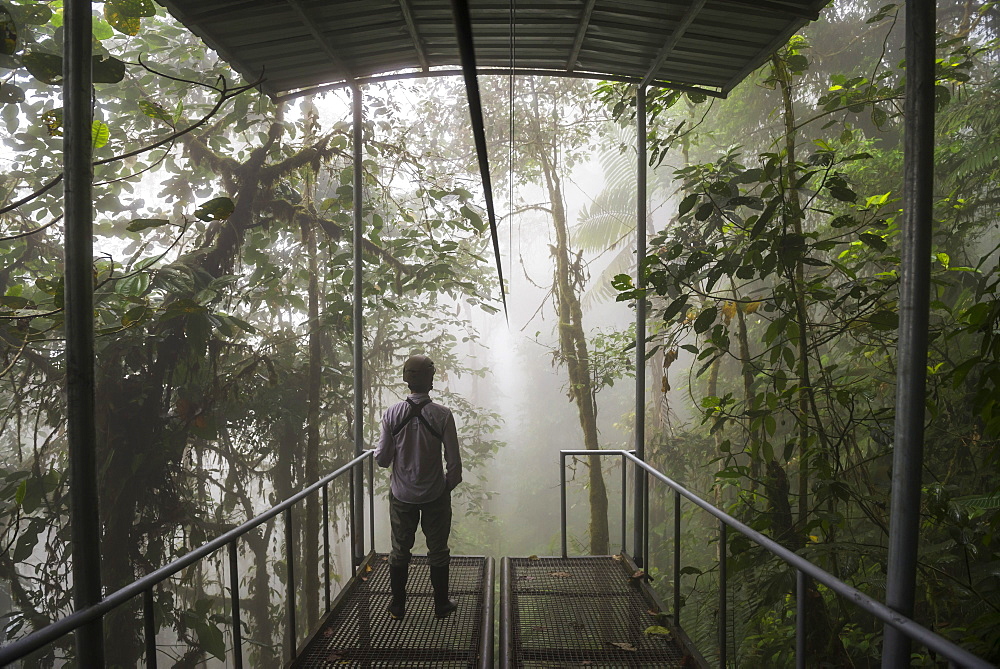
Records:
x=467, y=53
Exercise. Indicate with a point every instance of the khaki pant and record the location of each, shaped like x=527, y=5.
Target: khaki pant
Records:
x=434, y=518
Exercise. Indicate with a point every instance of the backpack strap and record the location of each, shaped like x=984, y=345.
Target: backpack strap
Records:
x=416, y=411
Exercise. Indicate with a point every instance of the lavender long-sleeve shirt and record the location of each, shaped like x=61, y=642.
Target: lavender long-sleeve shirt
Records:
x=415, y=454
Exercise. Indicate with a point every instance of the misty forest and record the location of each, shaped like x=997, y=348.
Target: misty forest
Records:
x=223, y=305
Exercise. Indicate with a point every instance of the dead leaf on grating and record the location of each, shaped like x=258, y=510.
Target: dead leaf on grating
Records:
x=560, y=574
x=624, y=646
x=616, y=557
x=533, y=557
x=657, y=630
x=526, y=578
x=334, y=657
x=328, y=632
x=385, y=558
x=638, y=577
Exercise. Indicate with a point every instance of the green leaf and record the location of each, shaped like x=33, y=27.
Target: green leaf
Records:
x=797, y=63
x=9, y=93
x=8, y=33
x=135, y=8
x=879, y=117
x=155, y=110
x=108, y=70
x=45, y=67
x=687, y=204
x=874, y=241
x=704, y=211
x=99, y=134
x=135, y=315
x=36, y=15
x=25, y=546
x=132, y=286
x=843, y=193
x=121, y=20
x=216, y=209
x=102, y=30
x=138, y=224
x=211, y=639
x=705, y=320
x=884, y=320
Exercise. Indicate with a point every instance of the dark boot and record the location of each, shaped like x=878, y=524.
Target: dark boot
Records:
x=443, y=607
x=397, y=583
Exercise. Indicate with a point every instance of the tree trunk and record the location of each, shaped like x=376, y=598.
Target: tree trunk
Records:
x=573, y=342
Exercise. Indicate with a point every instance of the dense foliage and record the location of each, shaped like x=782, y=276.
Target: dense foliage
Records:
x=776, y=280
x=223, y=308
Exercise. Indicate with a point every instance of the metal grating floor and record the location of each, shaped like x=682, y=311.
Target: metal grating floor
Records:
x=359, y=632
x=572, y=612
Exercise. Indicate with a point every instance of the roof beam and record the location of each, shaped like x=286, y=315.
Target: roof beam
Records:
x=671, y=44
x=328, y=49
x=581, y=32
x=777, y=8
x=414, y=35
x=467, y=54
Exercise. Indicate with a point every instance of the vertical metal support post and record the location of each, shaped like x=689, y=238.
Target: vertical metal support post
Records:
x=914, y=301
x=677, y=558
x=640, y=327
x=562, y=501
x=234, y=599
x=357, y=535
x=78, y=175
x=800, y=619
x=645, y=531
x=149, y=628
x=486, y=620
x=506, y=612
x=290, y=581
x=723, y=587
x=371, y=499
x=326, y=548
x=624, y=500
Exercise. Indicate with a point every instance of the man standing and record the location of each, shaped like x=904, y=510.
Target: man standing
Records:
x=414, y=434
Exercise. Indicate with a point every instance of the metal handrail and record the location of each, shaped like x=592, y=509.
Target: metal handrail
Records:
x=144, y=585
x=958, y=656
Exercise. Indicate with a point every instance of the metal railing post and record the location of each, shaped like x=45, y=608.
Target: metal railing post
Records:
x=562, y=501
x=624, y=501
x=326, y=548
x=506, y=612
x=371, y=499
x=290, y=581
x=149, y=628
x=723, y=615
x=486, y=638
x=800, y=619
x=677, y=558
x=234, y=599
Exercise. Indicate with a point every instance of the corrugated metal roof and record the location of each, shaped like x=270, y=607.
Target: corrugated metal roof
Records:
x=301, y=44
